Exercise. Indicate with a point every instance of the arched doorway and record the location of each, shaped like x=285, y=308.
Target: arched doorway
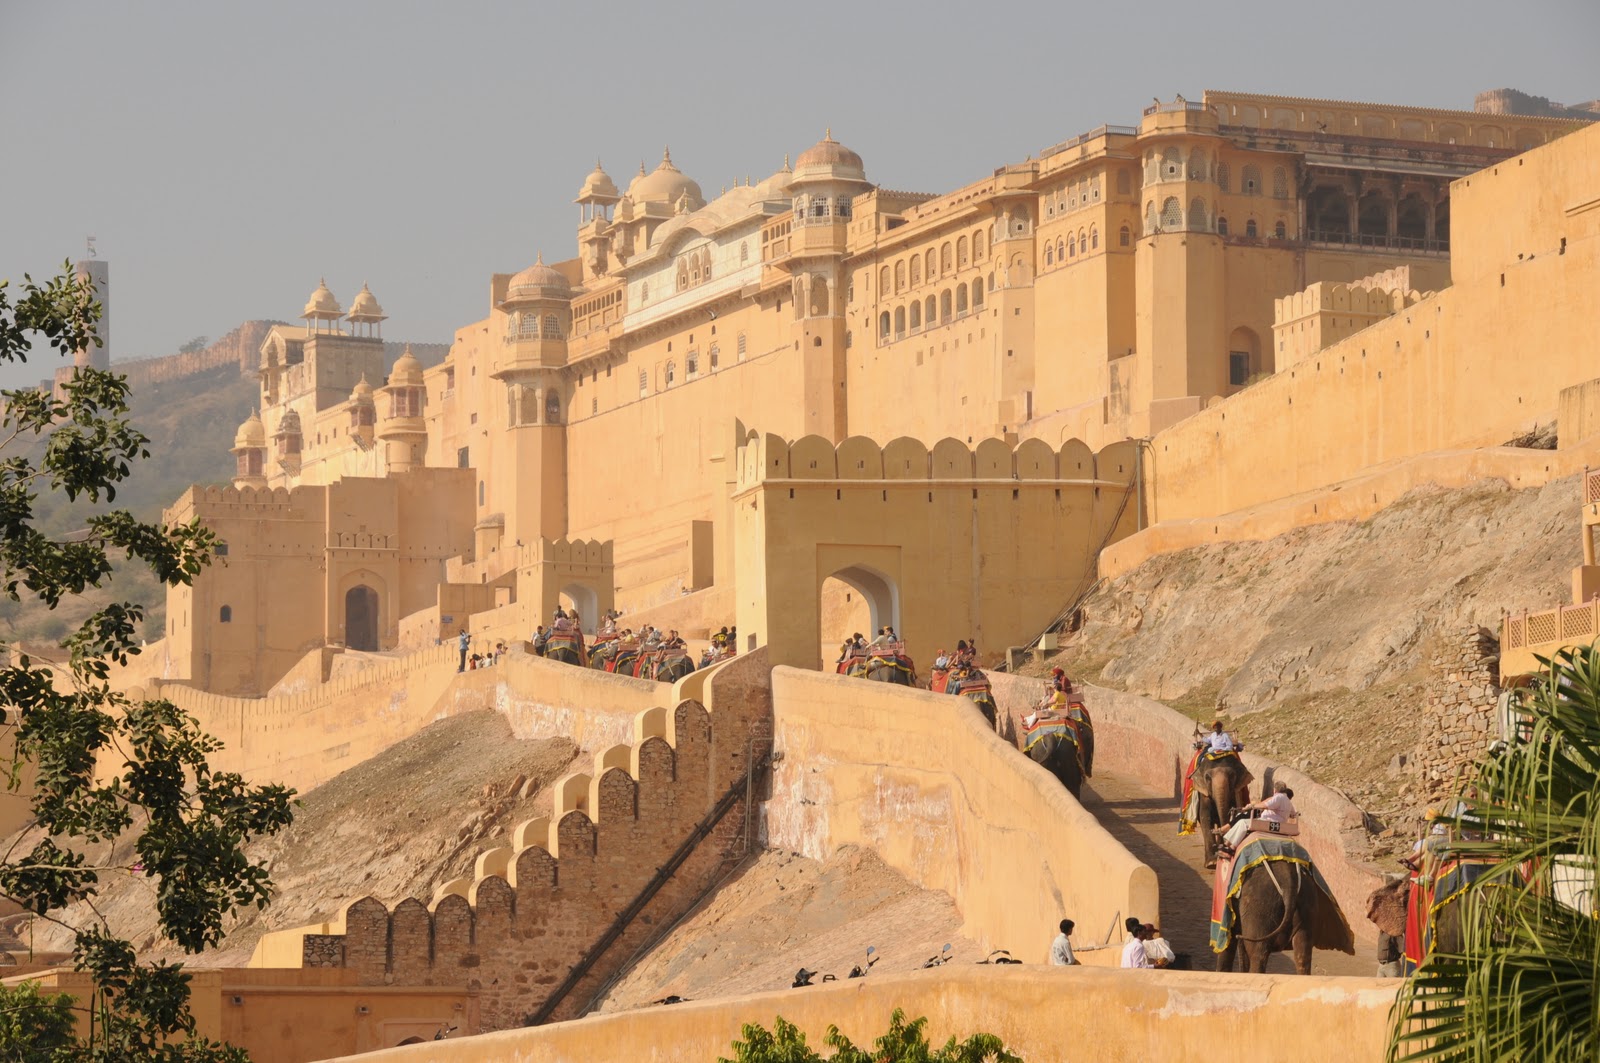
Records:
x=1244, y=357
x=585, y=601
x=361, y=618
x=856, y=598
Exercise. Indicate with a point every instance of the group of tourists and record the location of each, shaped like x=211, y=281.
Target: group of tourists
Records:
x=724, y=644
x=471, y=659
x=1145, y=949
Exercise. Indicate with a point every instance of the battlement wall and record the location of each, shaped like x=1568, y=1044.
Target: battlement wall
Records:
x=764, y=457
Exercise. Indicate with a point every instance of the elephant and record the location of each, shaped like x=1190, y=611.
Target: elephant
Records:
x=1218, y=783
x=673, y=668
x=896, y=670
x=973, y=686
x=1276, y=912
x=602, y=654
x=623, y=661
x=1058, y=754
x=1387, y=908
x=568, y=649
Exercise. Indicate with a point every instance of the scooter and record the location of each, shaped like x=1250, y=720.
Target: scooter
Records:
x=939, y=960
x=861, y=972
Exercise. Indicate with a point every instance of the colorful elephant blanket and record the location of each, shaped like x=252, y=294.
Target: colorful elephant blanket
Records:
x=1048, y=725
x=1428, y=894
x=1332, y=932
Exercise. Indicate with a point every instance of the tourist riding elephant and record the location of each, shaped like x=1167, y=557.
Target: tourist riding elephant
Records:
x=566, y=648
x=1218, y=782
x=1058, y=754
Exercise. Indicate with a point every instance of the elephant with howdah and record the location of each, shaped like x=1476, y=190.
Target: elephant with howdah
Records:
x=1218, y=782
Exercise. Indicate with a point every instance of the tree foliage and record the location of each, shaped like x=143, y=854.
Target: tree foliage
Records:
x=1526, y=984
x=104, y=766
x=903, y=1043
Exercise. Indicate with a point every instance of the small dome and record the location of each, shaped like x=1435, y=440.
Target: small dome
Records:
x=252, y=433
x=322, y=303
x=407, y=370
x=537, y=281
x=362, y=392
x=666, y=184
x=364, y=307
x=598, y=185
x=832, y=158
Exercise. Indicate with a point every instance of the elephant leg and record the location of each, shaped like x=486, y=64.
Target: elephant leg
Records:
x=1260, y=952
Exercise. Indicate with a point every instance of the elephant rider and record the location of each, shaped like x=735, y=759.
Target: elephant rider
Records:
x=1279, y=808
x=672, y=641
x=559, y=614
x=608, y=626
x=882, y=641
x=941, y=662
x=541, y=639
x=847, y=649
x=1437, y=837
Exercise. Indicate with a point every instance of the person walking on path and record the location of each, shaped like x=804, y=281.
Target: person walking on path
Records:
x=464, y=641
x=1133, y=953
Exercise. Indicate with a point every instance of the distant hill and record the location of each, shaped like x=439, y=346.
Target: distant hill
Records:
x=189, y=405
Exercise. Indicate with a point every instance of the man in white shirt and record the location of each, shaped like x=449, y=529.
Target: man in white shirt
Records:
x=1156, y=948
x=1061, y=948
x=1133, y=954
x=1219, y=741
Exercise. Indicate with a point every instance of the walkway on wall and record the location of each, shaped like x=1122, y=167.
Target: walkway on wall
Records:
x=1145, y=822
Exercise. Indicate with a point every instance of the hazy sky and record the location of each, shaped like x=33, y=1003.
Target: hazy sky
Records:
x=227, y=154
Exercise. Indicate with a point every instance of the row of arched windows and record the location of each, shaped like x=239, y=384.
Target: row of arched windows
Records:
x=1074, y=244
x=934, y=264
x=1080, y=193
x=1172, y=218
x=948, y=305
x=1171, y=166
x=530, y=325
x=814, y=209
x=694, y=268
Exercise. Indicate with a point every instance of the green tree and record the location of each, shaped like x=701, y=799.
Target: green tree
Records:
x=105, y=766
x=1524, y=985
x=903, y=1043
x=35, y=1028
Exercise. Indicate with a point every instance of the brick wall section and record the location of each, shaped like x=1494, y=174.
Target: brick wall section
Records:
x=1459, y=719
x=515, y=939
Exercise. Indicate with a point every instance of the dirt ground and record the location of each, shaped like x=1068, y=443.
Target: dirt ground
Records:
x=781, y=912
x=393, y=827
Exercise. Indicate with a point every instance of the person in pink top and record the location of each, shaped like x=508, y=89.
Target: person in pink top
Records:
x=1279, y=808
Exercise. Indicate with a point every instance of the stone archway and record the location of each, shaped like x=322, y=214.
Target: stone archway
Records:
x=361, y=618
x=856, y=598
x=585, y=600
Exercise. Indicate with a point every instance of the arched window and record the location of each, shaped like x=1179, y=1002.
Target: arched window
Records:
x=552, y=407
x=944, y=305
x=1094, y=188
x=1280, y=183
x=1197, y=165
x=1072, y=245
x=916, y=314
x=930, y=311
x=931, y=265
x=883, y=325
x=694, y=267
x=899, y=320
x=552, y=327
x=961, y=252
x=644, y=383
x=945, y=260
x=713, y=352
x=977, y=246
x=841, y=207
x=883, y=281
x=1222, y=226
x=1197, y=215
x=1171, y=214
x=977, y=293
x=991, y=282
x=1094, y=238
x=916, y=270
x=741, y=346
x=961, y=298
x=1049, y=254
x=899, y=277
x=705, y=264
x=1222, y=176
x=225, y=615
x=671, y=376
x=1061, y=250
x=1281, y=231
x=644, y=292
x=1252, y=181
x=1083, y=242
x=691, y=365
x=528, y=325
x=1171, y=164
x=683, y=274
x=1250, y=227
x=744, y=252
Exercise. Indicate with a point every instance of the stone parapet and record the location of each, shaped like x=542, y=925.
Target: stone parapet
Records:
x=1461, y=717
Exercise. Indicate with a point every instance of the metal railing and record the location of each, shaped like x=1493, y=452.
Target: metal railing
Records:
x=1393, y=243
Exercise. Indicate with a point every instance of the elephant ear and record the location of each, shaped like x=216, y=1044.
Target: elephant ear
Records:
x=1386, y=907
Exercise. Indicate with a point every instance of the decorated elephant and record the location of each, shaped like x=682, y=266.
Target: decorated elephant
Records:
x=602, y=654
x=1215, y=787
x=566, y=646
x=973, y=685
x=672, y=667
x=892, y=666
x=1276, y=902
x=1424, y=907
x=1057, y=752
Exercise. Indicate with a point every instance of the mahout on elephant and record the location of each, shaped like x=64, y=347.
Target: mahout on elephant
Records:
x=1216, y=784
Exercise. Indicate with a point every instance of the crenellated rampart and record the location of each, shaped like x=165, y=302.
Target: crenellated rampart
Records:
x=545, y=920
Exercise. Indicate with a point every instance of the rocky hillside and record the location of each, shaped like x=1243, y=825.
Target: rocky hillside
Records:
x=393, y=827
x=1315, y=644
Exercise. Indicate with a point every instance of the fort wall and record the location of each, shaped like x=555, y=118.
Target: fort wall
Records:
x=920, y=779
x=1138, y=738
x=1041, y=1013
x=1470, y=366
